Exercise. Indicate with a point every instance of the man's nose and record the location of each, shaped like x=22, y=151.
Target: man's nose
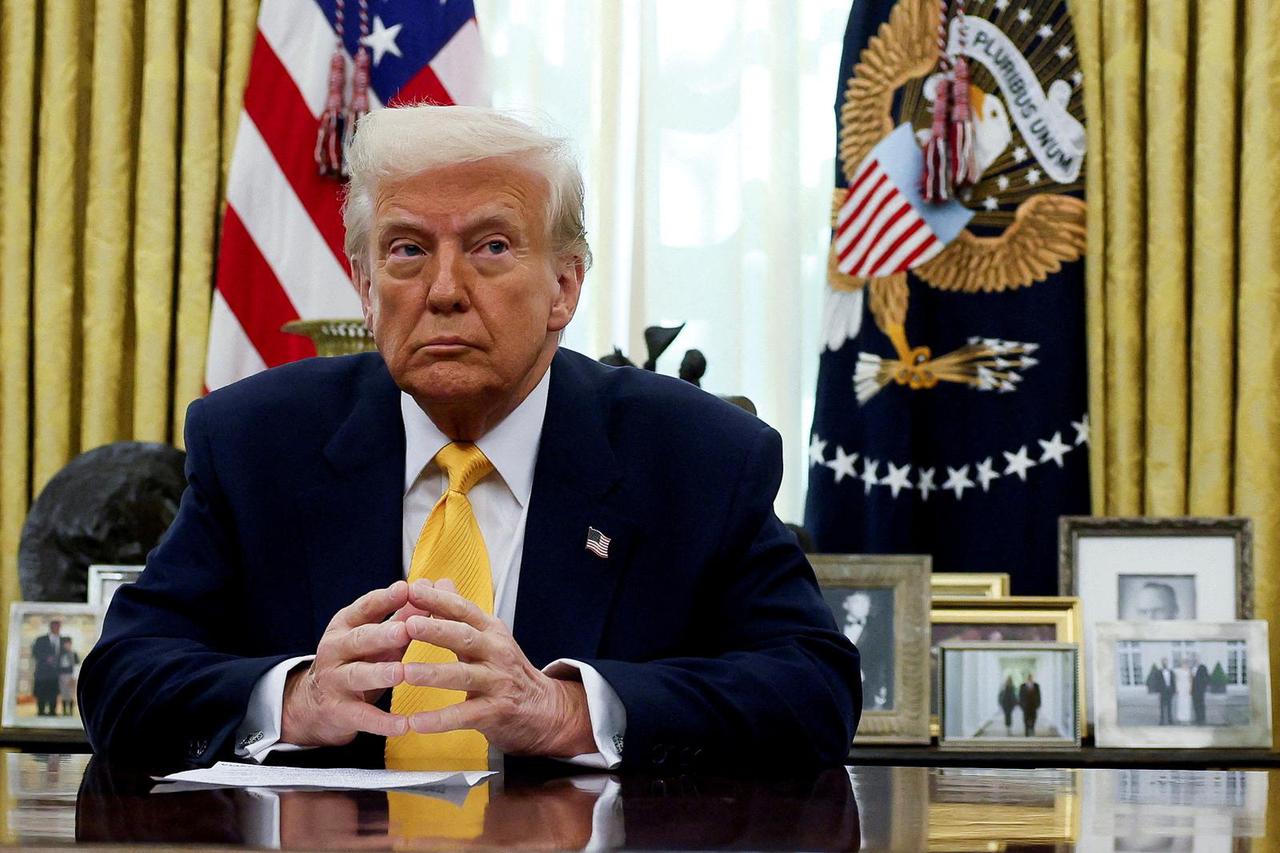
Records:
x=448, y=291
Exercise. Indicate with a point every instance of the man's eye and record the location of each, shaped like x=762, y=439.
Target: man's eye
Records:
x=496, y=247
x=406, y=250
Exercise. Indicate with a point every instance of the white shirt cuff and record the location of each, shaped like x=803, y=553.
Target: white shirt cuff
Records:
x=259, y=732
x=608, y=715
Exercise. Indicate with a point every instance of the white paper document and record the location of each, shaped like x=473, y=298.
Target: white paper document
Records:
x=226, y=774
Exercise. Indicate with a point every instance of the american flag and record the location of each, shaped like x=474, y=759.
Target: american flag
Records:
x=597, y=543
x=884, y=226
x=281, y=257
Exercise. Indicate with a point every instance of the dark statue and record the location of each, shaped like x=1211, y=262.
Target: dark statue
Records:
x=656, y=340
x=110, y=505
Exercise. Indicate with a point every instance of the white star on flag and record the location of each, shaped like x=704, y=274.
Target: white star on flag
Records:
x=896, y=479
x=1082, y=430
x=382, y=40
x=990, y=203
x=1024, y=15
x=1020, y=153
x=1018, y=463
x=1077, y=76
x=817, y=451
x=958, y=480
x=842, y=465
x=1053, y=449
x=1003, y=182
x=1045, y=31
x=925, y=483
x=986, y=473
x=869, y=467
x=1064, y=52
x=1034, y=176
x=1001, y=5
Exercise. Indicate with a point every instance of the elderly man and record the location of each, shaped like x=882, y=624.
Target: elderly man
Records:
x=594, y=569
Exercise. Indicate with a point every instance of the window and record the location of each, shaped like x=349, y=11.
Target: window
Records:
x=1131, y=674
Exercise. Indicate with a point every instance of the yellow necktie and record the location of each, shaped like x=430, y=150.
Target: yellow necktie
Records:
x=449, y=546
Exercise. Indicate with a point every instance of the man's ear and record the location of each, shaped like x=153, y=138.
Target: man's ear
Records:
x=570, y=271
x=360, y=278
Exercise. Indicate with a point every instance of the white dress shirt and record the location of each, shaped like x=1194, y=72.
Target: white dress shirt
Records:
x=500, y=502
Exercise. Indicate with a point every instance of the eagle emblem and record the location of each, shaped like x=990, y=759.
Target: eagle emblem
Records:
x=1029, y=147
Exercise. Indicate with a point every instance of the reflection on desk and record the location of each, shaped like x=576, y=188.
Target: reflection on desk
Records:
x=61, y=798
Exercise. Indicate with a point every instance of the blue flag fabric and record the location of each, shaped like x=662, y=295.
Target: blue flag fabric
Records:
x=950, y=416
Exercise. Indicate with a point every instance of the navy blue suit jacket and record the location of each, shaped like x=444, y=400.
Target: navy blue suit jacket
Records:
x=705, y=617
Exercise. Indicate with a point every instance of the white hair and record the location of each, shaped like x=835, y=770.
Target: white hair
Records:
x=398, y=142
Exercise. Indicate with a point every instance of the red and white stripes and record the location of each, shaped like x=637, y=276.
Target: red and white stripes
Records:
x=281, y=256
x=878, y=232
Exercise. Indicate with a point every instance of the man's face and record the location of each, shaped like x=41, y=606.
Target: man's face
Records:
x=464, y=295
x=1155, y=603
x=857, y=605
x=55, y=627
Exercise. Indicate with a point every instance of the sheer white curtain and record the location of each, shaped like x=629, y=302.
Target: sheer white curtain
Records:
x=706, y=133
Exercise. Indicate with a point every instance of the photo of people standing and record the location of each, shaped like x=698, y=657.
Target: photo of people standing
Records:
x=1163, y=683
x=1006, y=692
x=47, y=643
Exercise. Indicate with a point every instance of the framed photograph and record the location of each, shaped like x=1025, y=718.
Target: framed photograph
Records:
x=1154, y=569
x=1176, y=810
x=1018, y=618
x=969, y=585
x=1182, y=684
x=105, y=580
x=881, y=603
x=1008, y=695
x=47, y=642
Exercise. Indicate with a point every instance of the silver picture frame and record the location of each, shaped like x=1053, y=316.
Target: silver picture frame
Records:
x=24, y=699
x=1062, y=707
x=1253, y=696
x=905, y=579
x=1192, y=567
x=104, y=580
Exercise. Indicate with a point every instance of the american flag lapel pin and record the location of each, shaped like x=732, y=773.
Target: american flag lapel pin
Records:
x=597, y=543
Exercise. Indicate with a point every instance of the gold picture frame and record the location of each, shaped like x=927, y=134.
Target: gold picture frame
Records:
x=969, y=585
x=1058, y=615
x=905, y=580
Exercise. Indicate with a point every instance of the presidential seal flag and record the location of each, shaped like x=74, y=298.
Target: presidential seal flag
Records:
x=950, y=416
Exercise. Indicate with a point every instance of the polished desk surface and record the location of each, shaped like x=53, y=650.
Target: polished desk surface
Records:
x=51, y=799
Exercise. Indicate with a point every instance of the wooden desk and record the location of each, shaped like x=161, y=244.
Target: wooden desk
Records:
x=51, y=798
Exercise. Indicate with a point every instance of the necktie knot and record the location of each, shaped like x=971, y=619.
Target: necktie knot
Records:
x=464, y=464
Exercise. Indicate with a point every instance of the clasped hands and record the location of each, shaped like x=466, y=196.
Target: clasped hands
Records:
x=516, y=706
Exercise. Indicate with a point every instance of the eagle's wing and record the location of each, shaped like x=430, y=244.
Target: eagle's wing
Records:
x=1046, y=231
x=905, y=47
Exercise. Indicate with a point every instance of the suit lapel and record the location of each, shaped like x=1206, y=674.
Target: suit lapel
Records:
x=566, y=590
x=351, y=517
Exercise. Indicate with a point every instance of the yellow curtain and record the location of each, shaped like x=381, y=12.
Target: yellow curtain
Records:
x=116, y=120
x=1184, y=265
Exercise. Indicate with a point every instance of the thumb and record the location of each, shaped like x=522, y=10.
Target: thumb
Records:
x=447, y=585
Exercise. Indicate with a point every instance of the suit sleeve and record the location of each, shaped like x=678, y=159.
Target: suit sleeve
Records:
x=782, y=686
x=168, y=682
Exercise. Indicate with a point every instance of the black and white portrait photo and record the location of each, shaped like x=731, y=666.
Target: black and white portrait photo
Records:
x=1156, y=598
x=866, y=618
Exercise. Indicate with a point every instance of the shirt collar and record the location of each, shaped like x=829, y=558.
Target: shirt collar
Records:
x=512, y=445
